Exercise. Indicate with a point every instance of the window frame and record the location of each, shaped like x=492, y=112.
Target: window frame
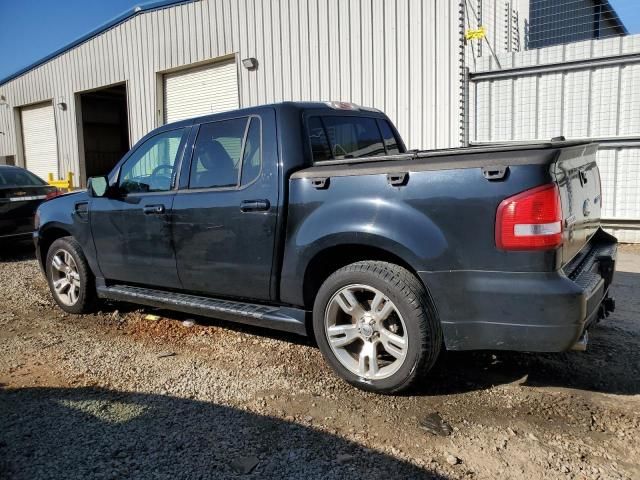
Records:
x=244, y=145
x=333, y=159
x=185, y=173
x=184, y=142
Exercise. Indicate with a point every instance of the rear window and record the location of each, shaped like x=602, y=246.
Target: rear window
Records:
x=343, y=137
x=14, y=177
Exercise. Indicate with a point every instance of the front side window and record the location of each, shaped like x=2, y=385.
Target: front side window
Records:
x=217, y=154
x=151, y=166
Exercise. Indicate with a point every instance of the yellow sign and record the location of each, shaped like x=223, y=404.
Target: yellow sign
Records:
x=478, y=34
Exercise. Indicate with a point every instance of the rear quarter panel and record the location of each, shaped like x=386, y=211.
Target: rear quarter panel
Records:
x=441, y=220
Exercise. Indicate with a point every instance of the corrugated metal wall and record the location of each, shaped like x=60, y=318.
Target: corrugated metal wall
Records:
x=580, y=90
x=402, y=56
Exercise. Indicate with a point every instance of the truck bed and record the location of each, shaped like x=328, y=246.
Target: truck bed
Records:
x=538, y=153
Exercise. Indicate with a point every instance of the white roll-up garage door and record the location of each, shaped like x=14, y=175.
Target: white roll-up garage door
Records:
x=39, y=139
x=200, y=91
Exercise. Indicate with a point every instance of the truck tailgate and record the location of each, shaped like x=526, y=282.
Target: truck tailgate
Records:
x=578, y=179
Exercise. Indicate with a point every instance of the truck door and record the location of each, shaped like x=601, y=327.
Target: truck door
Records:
x=132, y=230
x=224, y=217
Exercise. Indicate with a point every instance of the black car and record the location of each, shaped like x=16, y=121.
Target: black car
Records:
x=20, y=194
x=315, y=219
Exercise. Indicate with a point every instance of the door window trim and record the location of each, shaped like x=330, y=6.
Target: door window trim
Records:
x=185, y=173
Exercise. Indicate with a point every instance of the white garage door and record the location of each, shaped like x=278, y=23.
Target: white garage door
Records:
x=200, y=91
x=39, y=139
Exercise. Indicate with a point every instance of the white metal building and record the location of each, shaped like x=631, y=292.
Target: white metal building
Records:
x=581, y=90
x=80, y=108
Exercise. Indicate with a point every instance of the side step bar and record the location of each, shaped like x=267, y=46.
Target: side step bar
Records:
x=279, y=318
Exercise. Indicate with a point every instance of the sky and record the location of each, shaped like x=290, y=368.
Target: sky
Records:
x=629, y=13
x=32, y=29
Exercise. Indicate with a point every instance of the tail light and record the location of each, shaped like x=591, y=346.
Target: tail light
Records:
x=531, y=220
x=53, y=194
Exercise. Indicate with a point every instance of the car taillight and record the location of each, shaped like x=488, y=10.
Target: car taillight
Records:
x=531, y=220
x=53, y=194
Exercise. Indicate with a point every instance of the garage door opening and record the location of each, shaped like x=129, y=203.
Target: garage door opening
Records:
x=105, y=128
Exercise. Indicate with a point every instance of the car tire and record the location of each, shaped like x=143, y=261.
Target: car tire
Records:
x=71, y=281
x=377, y=360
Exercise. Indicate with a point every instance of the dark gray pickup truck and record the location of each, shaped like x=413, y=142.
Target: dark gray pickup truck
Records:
x=313, y=218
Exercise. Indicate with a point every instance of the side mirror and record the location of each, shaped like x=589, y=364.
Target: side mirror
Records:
x=98, y=186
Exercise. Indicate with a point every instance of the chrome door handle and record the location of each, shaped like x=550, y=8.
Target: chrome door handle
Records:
x=153, y=209
x=255, y=205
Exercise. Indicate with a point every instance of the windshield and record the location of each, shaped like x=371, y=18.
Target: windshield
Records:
x=17, y=177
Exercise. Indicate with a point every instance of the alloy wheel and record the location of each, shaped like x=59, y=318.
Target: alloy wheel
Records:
x=65, y=277
x=366, y=332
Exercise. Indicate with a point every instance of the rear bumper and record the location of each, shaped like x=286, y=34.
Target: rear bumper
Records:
x=524, y=311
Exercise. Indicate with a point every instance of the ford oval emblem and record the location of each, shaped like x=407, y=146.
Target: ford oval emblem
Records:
x=586, y=207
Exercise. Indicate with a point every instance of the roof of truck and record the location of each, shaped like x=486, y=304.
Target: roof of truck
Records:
x=289, y=106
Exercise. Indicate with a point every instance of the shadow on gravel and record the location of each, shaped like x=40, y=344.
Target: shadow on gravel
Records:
x=90, y=433
x=17, y=252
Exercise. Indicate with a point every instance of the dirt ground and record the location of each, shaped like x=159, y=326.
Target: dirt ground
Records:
x=119, y=395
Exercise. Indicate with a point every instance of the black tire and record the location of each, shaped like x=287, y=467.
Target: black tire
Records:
x=413, y=304
x=86, y=296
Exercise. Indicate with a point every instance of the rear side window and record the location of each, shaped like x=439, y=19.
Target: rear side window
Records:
x=217, y=154
x=318, y=139
x=252, y=158
x=343, y=137
x=390, y=141
x=353, y=137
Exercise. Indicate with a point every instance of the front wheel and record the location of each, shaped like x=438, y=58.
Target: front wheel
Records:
x=376, y=327
x=70, y=279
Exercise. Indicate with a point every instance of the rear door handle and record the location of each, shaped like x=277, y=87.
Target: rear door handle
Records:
x=255, y=205
x=153, y=209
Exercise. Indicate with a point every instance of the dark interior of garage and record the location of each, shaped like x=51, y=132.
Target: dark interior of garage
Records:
x=105, y=128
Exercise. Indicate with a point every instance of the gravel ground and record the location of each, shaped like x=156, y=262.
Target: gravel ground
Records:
x=116, y=395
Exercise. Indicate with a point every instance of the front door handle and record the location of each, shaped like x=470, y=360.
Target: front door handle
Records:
x=153, y=209
x=255, y=205
x=82, y=210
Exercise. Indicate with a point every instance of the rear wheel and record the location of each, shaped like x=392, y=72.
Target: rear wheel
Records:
x=375, y=325
x=70, y=279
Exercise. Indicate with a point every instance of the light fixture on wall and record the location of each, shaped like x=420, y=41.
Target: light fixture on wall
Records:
x=3, y=101
x=250, y=63
x=61, y=104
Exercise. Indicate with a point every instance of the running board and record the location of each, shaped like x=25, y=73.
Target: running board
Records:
x=279, y=318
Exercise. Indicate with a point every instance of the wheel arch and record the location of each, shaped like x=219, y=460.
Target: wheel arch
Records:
x=47, y=236
x=331, y=259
